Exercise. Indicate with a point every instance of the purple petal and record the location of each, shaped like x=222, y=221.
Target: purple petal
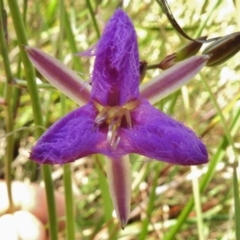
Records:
x=160, y=137
x=173, y=78
x=115, y=79
x=60, y=76
x=72, y=137
x=119, y=179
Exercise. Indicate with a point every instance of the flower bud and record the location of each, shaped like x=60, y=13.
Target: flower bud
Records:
x=183, y=53
x=190, y=49
x=222, y=49
x=168, y=61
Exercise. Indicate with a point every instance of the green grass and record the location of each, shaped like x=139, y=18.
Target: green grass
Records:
x=166, y=202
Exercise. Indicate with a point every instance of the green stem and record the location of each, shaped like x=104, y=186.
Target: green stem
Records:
x=144, y=228
x=235, y=176
x=36, y=107
x=153, y=66
x=195, y=183
x=53, y=225
x=8, y=110
x=220, y=114
x=29, y=71
x=93, y=18
x=237, y=13
x=197, y=202
x=67, y=175
x=61, y=27
x=107, y=204
x=236, y=202
x=23, y=84
x=204, y=23
x=67, y=178
x=72, y=42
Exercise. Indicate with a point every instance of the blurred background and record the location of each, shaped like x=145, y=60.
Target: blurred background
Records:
x=168, y=202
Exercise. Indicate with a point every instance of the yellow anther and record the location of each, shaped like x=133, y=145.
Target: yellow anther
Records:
x=113, y=116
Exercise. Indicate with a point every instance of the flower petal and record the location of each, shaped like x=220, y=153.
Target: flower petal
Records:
x=173, y=78
x=60, y=76
x=160, y=137
x=119, y=179
x=72, y=137
x=116, y=76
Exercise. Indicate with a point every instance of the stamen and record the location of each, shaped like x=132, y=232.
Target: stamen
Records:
x=109, y=135
x=113, y=116
x=128, y=117
x=102, y=115
x=99, y=120
x=115, y=144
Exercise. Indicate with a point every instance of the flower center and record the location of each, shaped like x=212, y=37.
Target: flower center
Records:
x=115, y=117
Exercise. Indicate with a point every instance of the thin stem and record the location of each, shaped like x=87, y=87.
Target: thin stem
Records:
x=30, y=74
x=197, y=202
x=237, y=13
x=36, y=107
x=195, y=183
x=93, y=18
x=144, y=228
x=8, y=110
x=107, y=205
x=236, y=202
x=72, y=42
x=67, y=179
x=67, y=174
x=61, y=27
x=53, y=225
x=69, y=203
x=235, y=176
x=153, y=66
x=22, y=84
x=202, y=27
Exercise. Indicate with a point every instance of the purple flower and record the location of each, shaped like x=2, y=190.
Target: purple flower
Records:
x=117, y=119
